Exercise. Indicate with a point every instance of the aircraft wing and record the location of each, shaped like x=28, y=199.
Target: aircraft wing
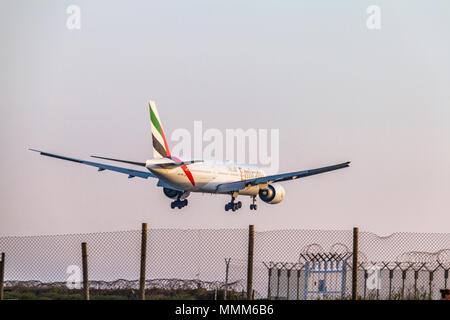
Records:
x=101, y=167
x=239, y=185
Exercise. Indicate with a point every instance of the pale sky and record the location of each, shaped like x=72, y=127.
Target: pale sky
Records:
x=336, y=90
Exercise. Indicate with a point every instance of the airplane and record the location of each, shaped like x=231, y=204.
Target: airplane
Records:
x=179, y=178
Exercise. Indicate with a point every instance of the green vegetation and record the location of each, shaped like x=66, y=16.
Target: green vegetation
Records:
x=61, y=293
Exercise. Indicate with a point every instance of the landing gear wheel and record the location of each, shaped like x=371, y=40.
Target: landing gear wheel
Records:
x=233, y=206
x=179, y=204
x=253, y=206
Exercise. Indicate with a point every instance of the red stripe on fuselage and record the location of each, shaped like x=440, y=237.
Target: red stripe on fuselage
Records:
x=188, y=174
x=186, y=170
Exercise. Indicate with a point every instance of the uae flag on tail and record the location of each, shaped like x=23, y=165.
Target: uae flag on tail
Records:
x=160, y=147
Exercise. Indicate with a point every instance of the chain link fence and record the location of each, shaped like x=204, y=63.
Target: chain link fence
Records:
x=213, y=264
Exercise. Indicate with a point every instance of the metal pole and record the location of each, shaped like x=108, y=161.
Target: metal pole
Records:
x=288, y=281
x=305, y=284
x=251, y=246
x=2, y=276
x=446, y=277
x=344, y=277
x=391, y=276
x=84, y=256
x=143, y=262
x=403, y=283
x=416, y=276
x=355, y=265
x=366, y=275
x=227, y=267
x=431, y=285
x=278, y=283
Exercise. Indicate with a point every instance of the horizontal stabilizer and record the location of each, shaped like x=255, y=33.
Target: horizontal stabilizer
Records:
x=141, y=164
x=168, y=163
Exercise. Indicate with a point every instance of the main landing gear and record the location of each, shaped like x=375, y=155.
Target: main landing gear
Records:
x=179, y=203
x=233, y=205
x=253, y=206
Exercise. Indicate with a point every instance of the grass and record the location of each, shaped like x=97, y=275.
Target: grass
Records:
x=27, y=293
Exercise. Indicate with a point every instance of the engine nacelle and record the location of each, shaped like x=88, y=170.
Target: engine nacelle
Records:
x=274, y=193
x=172, y=194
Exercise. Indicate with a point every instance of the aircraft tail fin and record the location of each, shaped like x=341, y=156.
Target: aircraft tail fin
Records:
x=160, y=146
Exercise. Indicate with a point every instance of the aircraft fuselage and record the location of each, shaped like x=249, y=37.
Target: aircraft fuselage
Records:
x=206, y=176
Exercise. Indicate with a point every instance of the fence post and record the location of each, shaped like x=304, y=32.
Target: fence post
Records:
x=227, y=267
x=431, y=284
x=2, y=276
x=366, y=276
x=278, y=283
x=445, y=277
x=403, y=283
x=288, y=282
x=391, y=276
x=85, y=270
x=143, y=262
x=416, y=276
x=355, y=265
x=251, y=244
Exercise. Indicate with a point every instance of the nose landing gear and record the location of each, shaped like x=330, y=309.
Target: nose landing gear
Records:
x=253, y=206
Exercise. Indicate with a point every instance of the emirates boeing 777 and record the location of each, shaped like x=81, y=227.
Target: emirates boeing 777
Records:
x=179, y=178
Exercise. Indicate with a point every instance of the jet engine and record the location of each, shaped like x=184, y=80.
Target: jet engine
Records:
x=172, y=194
x=274, y=193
